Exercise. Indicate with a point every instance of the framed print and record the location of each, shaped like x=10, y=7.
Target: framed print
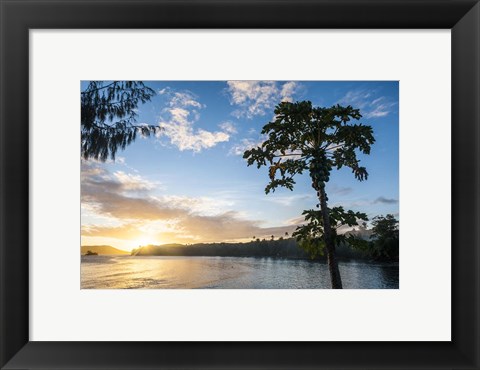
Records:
x=220, y=81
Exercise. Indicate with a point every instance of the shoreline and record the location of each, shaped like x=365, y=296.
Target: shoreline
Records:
x=317, y=260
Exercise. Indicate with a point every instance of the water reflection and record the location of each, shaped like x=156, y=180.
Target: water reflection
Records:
x=126, y=272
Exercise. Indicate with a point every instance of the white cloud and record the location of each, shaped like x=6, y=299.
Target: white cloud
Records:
x=131, y=182
x=381, y=110
x=376, y=101
x=245, y=144
x=181, y=116
x=205, y=206
x=370, y=107
x=185, y=219
x=255, y=98
x=92, y=174
x=299, y=220
x=184, y=99
x=356, y=98
x=288, y=90
x=228, y=127
x=289, y=200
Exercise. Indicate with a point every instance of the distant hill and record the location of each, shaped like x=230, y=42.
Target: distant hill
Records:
x=102, y=249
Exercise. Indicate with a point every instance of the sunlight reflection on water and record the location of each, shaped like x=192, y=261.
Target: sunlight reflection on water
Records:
x=126, y=272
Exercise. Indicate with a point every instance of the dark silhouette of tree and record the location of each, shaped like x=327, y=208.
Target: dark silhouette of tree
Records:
x=279, y=248
x=314, y=139
x=386, y=237
x=273, y=237
x=286, y=233
x=311, y=235
x=108, y=117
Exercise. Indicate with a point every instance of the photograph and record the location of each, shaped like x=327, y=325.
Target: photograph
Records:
x=251, y=184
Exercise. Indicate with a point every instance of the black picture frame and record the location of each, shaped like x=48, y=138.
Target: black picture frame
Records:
x=19, y=16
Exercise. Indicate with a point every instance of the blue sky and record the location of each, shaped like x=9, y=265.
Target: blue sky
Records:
x=190, y=183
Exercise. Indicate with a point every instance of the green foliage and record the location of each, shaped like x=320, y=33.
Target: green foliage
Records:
x=108, y=117
x=303, y=137
x=386, y=237
x=310, y=235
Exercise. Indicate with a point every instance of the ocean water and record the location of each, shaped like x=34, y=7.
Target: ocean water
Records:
x=152, y=272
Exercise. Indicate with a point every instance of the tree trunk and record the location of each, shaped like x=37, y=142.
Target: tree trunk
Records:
x=329, y=244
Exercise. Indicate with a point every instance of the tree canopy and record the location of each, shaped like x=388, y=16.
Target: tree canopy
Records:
x=302, y=137
x=386, y=237
x=108, y=117
x=310, y=235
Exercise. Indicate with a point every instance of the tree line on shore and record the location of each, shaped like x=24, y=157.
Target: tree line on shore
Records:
x=381, y=243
